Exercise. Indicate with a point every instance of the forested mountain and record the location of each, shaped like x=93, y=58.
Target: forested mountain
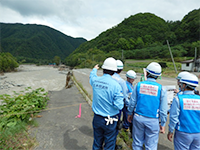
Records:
x=141, y=36
x=36, y=41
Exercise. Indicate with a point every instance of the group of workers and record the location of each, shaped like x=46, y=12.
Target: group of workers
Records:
x=144, y=107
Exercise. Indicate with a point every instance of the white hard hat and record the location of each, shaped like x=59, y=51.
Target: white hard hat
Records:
x=110, y=64
x=154, y=68
x=190, y=79
x=181, y=74
x=120, y=64
x=131, y=74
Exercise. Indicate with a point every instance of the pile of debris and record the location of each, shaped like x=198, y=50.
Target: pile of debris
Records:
x=69, y=81
x=7, y=84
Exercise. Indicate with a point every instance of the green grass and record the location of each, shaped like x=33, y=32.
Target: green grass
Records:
x=124, y=137
x=17, y=137
x=138, y=65
x=16, y=112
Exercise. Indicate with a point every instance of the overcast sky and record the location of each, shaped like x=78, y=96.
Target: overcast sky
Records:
x=88, y=18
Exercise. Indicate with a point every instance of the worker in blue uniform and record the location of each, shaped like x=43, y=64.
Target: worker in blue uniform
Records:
x=131, y=76
x=180, y=75
x=185, y=116
x=107, y=101
x=178, y=91
x=148, y=102
x=178, y=78
x=122, y=83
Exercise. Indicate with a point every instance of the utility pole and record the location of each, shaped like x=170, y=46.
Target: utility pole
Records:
x=122, y=54
x=171, y=56
x=195, y=57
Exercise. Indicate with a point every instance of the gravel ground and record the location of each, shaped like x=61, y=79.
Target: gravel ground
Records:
x=47, y=77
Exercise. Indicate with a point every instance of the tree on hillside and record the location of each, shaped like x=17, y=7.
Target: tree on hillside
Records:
x=7, y=62
x=122, y=43
x=57, y=60
x=1, y=49
x=190, y=25
x=139, y=42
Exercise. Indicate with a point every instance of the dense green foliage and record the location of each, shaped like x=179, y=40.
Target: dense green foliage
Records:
x=57, y=60
x=7, y=62
x=16, y=112
x=17, y=137
x=33, y=42
x=142, y=36
x=18, y=108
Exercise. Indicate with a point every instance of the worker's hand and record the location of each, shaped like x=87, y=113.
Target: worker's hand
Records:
x=130, y=118
x=169, y=136
x=162, y=129
x=96, y=66
x=176, y=90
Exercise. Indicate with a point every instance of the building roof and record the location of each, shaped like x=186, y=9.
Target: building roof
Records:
x=187, y=61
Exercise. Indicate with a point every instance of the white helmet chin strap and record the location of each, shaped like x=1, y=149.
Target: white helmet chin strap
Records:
x=150, y=75
x=182, y=89
x=186, y=85
x=191, y=87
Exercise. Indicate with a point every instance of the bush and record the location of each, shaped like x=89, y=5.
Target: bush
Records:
x=163, y=64
x=21, y=106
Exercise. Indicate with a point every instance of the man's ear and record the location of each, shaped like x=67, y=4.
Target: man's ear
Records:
x=184, y=84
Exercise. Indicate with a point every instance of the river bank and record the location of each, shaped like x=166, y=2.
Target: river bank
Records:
x=47, y=77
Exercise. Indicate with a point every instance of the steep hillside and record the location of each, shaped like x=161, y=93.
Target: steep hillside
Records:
x=190, y=25
x=142, y=36
x=36, y=41
x=134, y=32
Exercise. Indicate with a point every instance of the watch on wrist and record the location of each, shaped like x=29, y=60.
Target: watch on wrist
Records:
x=170, y=132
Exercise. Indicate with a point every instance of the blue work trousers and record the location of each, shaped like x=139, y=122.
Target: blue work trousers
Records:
x=126, y=124
x=186, y=141
x=145, y=131
x=119, y=118
x=104, y=135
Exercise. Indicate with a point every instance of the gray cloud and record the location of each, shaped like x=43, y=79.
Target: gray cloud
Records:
x=29, y=8
x=88, y=18
x=67, y=10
